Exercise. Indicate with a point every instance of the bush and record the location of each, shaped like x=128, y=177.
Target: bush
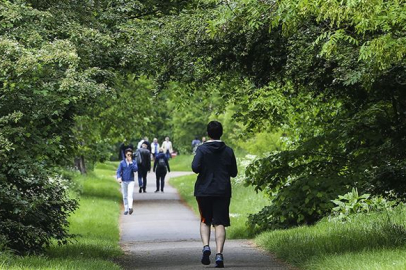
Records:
x=34, y=210
x=353, y=203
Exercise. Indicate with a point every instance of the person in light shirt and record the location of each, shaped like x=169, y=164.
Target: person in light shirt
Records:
x=167, y=146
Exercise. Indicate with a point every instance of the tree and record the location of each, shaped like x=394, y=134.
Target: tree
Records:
x=328, y=73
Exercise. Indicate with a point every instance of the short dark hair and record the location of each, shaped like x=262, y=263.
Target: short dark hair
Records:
x=128, y=150
x=214, y=130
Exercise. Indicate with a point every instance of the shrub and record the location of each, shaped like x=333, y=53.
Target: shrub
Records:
x=34, y=210
x=352, y=203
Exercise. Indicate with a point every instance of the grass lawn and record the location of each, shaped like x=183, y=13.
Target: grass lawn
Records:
x=95, y=223
x=181, y=163
x=366, y=242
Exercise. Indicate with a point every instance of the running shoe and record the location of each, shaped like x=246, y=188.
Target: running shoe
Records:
x=219, y=260
x=206, y=255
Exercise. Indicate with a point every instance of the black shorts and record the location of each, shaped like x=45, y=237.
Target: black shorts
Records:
x=214, y=210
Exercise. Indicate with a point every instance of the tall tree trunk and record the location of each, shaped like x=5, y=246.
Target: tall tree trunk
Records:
x=80, y=164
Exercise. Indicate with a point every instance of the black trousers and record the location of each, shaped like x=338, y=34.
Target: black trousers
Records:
x=160, y=179
x=143, y=173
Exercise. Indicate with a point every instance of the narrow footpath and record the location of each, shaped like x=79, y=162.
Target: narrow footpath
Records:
x=163, y=233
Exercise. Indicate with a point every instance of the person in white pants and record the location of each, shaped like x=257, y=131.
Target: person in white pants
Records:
x=125, y=176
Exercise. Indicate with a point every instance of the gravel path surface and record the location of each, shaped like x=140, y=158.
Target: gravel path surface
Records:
x=163, y=233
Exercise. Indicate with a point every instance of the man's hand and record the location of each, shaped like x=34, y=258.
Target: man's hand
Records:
x=119, y=180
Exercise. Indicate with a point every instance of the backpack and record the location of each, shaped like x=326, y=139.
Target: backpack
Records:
x=137, y=156
x=161, y=163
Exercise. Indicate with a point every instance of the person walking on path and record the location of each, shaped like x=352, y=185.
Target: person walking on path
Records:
x=195, y=143
x=144, y=166
x=155, y=148
x=167, y=146
x=123, y=147
x=125, y=176
x=161, y=167
x=214, y=163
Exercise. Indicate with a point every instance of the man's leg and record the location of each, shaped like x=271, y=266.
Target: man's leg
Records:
x=130, y=194
x=220, y=232
x=124, y=190
x=157, y=181
x=205, y=233
x=144, y=182
x=139, y=179
x=163, y=182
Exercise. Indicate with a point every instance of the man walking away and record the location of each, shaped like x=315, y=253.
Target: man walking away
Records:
x=145, y=166
x=215, y=163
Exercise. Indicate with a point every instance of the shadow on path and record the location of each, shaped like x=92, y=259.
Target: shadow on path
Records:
x=163, y=233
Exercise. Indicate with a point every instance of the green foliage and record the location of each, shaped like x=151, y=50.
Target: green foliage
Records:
x=330, y=74
x=96, y=245
x=352, y=203
x=34, y=209
x=181, y=163
x=369, y=241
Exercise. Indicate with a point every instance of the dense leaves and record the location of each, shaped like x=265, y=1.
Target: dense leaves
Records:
x=330, y=74
x=77, y=77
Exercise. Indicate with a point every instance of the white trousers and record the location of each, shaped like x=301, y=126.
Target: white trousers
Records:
x=127, y=188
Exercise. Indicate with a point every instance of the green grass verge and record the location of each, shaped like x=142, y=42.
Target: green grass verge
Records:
x=181, y=163
x=366, y=242
x=95, y=223
x=244, y=200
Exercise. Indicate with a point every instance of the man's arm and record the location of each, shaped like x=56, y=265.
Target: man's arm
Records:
x=233, y=169
x=134, y=166
x=197, y=161
x=119, y=171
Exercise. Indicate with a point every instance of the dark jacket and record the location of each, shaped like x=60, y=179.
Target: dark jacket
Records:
x=146, y=160
x=215, y=163
x=161, y=170
x=121, y=152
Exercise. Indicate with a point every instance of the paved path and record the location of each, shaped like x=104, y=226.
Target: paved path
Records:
x=163, y=233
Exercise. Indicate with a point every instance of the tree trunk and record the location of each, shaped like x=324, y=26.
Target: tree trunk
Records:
x=80, y=164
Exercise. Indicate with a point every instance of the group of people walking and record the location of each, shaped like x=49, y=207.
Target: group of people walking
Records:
x=215, y=164
x=139, y=160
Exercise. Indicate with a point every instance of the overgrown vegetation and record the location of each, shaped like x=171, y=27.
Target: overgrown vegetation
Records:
x=325, y=76
x=95, y=224
x=375, y=240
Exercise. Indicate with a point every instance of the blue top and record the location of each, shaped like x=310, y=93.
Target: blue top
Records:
x=126, y=172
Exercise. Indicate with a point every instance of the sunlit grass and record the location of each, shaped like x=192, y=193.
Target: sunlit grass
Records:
x=95, y=223
x=181, y=163
x=366, y=242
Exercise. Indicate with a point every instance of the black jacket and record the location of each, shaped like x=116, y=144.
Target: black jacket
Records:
x=146, y=160
x=215, y=163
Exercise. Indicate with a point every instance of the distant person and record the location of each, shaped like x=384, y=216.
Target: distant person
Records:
x=203, y=140
x=146, y=141
x=122, y=148
x=140, y=143
x=161, y=167
x=154, y=147
x=144, y=166
x=195, y=143
x=215, y=163
x=167, y=146
x=125, y=176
